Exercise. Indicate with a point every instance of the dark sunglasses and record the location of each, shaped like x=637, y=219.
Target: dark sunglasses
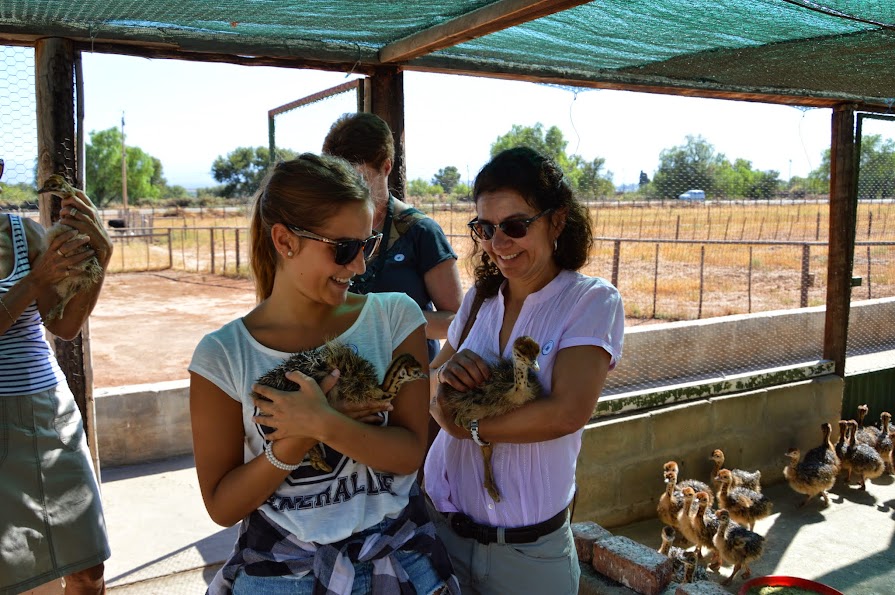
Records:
x=514, y=228
x=346, y=250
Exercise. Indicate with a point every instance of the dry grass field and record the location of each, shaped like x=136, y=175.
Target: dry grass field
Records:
x=675, y=261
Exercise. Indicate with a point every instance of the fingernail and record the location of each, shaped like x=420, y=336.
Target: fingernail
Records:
x=335, y=373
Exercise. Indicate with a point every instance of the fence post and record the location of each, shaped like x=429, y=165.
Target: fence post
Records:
x=170, y=250
x=677, y=228
x=868, y=272
x=237, y=250
x=701, y=278
x=806, y=275
x=616, y=253
x=749, y=289
x=655, y=280
x=211, y=229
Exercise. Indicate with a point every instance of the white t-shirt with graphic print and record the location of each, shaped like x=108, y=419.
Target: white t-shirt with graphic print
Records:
x=317, y=506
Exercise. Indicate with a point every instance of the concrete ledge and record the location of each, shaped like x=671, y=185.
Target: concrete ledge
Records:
x=143, y=422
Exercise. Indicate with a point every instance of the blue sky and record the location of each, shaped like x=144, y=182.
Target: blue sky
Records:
x=188, y=113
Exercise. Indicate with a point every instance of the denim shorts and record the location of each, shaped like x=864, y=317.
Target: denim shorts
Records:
x=417, y=565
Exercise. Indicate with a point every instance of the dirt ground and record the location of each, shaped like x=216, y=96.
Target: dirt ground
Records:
x=145, y=326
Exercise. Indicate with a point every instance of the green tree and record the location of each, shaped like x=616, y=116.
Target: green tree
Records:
x=419, y=188
x=550, y=143
x=145, y=179
x=876, y=175
x=691, y=165
x=644, y=179
x=586, y=177
x=243, y=169
x=447, y=178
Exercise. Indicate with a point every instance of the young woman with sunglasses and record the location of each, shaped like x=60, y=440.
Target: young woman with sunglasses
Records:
x=531, y=237
x=363, y=526
x=415, y=256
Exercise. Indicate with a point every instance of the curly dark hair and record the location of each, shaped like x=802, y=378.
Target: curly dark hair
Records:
x=540, y=181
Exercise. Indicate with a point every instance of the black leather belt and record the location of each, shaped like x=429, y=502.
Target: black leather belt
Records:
x=485, y=534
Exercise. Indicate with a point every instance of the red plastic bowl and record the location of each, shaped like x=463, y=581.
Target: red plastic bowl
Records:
x=788, y=581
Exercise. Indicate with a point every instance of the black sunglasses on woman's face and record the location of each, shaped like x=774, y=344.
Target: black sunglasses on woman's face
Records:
x=514, y=228
x=346, y=250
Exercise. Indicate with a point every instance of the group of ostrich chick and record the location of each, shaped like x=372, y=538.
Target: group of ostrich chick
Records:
x=686, y=506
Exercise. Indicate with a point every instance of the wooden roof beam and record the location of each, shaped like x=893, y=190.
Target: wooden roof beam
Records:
x=478, y=23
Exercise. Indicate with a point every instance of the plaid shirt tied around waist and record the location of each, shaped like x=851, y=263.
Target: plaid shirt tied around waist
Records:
x=265, y=549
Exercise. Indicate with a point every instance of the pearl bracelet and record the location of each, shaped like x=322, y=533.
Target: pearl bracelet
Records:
x=268, y=450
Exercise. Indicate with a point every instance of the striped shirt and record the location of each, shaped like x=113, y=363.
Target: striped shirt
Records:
x=27, y=364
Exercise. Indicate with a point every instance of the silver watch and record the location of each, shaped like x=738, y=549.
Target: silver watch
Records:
x=474, y=430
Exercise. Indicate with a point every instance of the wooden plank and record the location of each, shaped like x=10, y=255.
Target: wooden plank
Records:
x=843, y=209
x=54, y=65
x=478, y=23
x=387, y=101
x=320, y=95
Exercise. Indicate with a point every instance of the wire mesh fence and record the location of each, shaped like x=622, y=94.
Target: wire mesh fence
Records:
x=716, y=238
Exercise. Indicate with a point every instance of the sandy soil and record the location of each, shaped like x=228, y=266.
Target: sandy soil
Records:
x=145, y=326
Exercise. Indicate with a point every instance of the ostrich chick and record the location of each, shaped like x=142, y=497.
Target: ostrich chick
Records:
x=697, y=485
x=513, y=382
x=865, y=434
x=884, y=442
x=809, y=477
x=741, y=478
x=705, y=525
x=82, y=275
x=744, y=505
x=670, y=502
x=358, y=382
x=736, y=545
x=680, y=558
x=862, y=459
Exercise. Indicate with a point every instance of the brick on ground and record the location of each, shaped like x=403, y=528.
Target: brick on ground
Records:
x=586, y=534
x=632, y=564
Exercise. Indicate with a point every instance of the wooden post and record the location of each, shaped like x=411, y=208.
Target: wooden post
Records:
x=616, y=256
x=57, y=152
x=170, y=250
x=237, y=251
x=842, y=235
x=806, y=275
x=701, y=279
x=387, y=102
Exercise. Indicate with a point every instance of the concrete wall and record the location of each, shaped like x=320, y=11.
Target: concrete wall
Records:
x=620, y=467
x=619, y=471
x=143, y=422
x=663, y=353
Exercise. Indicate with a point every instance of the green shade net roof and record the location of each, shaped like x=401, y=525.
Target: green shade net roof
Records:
x=791, y=50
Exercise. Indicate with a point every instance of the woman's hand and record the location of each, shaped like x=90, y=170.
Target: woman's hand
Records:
x=465, y=370
x=63, y=253
x=300, y=413
x=79, y=212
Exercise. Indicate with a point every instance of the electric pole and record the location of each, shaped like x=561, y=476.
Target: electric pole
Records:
x=123, y=168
